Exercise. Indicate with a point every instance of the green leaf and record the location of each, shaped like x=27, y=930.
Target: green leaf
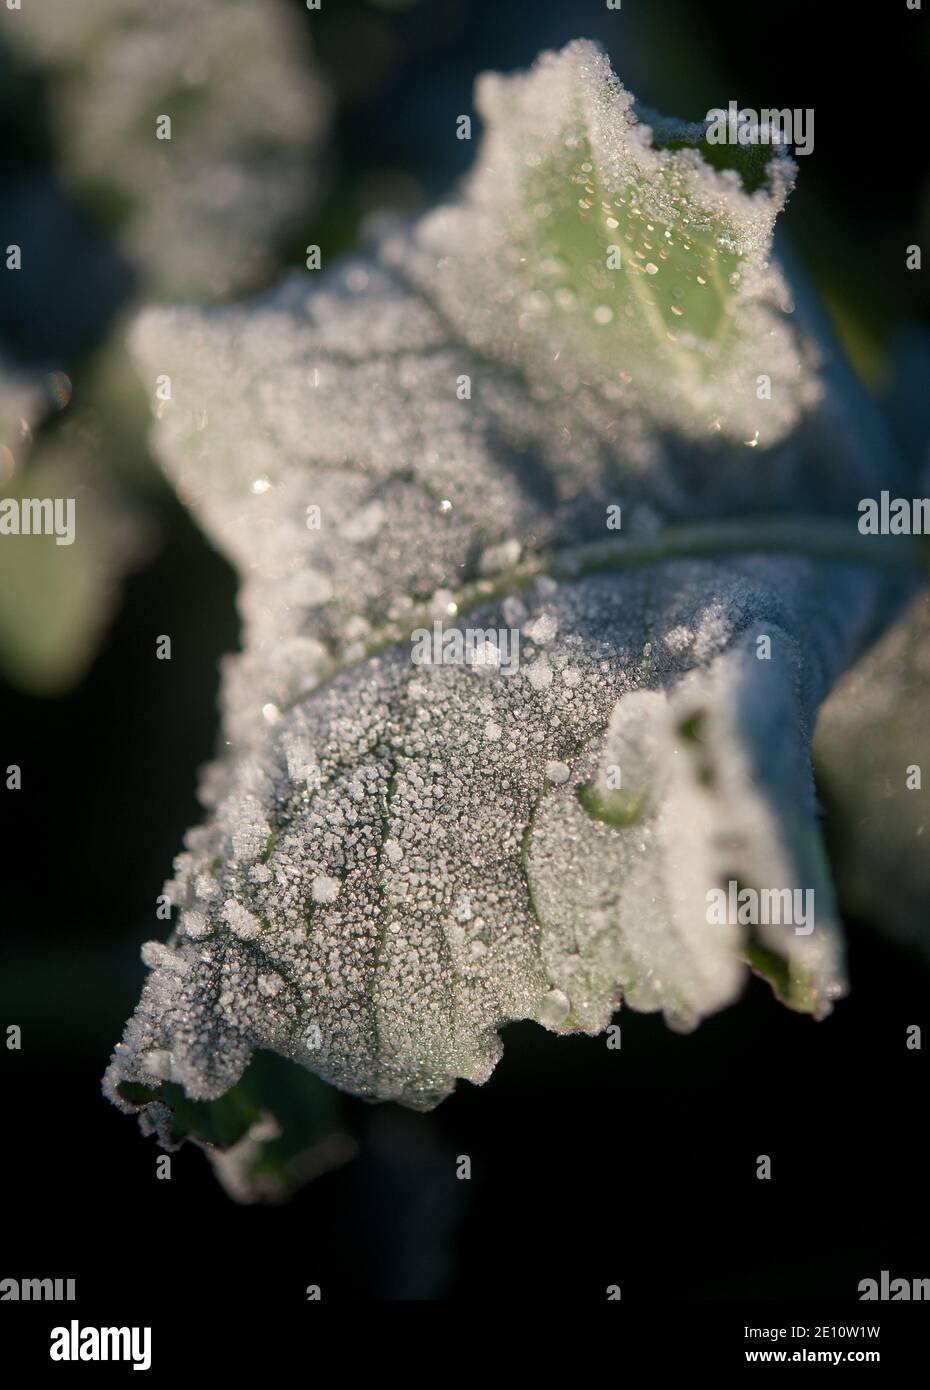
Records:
x=872, y=752
x=57, y=599
x=276, y=1129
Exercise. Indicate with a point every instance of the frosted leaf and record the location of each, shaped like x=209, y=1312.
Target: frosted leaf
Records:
x=582, y=252
x=463, y=854
x=202, y=212
x=276, y=1130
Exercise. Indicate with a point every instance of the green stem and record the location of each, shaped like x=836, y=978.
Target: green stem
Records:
x=819, y=540
x=829, y=541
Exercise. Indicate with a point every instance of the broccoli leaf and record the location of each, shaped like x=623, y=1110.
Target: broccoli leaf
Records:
x=401, y=857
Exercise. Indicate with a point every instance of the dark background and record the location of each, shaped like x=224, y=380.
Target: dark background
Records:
x=590, y=1167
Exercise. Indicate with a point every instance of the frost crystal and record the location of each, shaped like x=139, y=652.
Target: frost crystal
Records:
x=430, y=851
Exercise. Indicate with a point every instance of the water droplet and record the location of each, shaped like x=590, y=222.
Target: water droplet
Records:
x=58, y=386
x=260, y=485
x=443, y=602
x=651, y=269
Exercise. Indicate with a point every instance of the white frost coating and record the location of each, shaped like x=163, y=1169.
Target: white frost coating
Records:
x=202, y=210
x=558, y=773
x=193, y=924
x=241, y=922
x=542, y=631
x=567, y=182
x=539, y=673
x=429, y=881
x=324, y=889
